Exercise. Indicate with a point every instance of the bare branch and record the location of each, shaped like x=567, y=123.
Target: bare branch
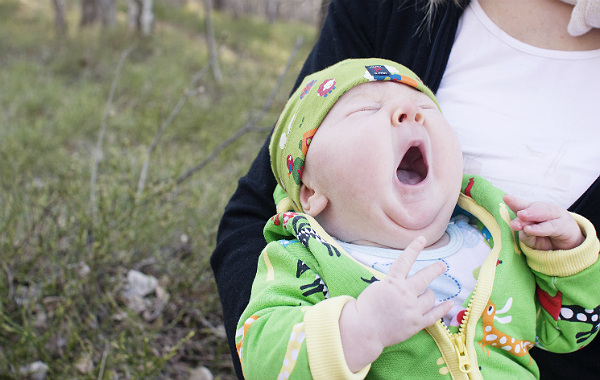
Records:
x=210, y=36
x=191, y=91
x=97, y=154
x=9, y=279
x=245, y=129
x=251, y=125
x=103, y=362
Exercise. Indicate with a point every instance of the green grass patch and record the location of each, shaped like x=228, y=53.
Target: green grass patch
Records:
x=66, y=255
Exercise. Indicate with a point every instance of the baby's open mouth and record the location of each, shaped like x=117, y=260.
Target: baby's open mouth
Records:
x=413, y=168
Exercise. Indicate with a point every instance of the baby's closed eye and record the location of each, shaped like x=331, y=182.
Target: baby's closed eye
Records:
x=428, y=106
x=367, y=108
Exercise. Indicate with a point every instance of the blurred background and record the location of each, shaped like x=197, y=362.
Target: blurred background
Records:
x=124, y=126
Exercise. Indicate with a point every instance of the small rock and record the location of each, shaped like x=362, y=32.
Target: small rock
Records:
x=26, y=295
x=184, y=239
x=83, y=270
x=34, y=371
x=143, y=294
x=140, y=284
x=201, y=373
x=135, y=302
x=85, y=364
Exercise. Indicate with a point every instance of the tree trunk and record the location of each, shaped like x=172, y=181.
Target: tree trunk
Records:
x=89, y=12
x=59, y=19
x=140, y=15
x=236, y=8
x=108, y=11
x=272, y=10
x=219, y=4
x=133, y=14
x=210, y=36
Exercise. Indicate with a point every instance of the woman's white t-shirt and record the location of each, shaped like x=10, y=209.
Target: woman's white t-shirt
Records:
x=528, y=119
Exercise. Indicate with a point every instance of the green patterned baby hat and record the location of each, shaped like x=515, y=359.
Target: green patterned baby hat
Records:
x=308, y=106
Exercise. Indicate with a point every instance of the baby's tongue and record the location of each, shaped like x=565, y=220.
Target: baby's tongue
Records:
x=408, y=177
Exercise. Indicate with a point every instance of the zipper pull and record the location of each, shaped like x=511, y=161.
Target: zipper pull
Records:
x=461, y=352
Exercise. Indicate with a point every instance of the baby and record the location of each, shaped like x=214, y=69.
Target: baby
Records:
x=385, y=261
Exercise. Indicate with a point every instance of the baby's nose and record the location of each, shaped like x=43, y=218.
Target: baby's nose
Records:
x=407, y=111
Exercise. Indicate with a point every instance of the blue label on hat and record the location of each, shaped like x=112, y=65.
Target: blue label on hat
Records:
x=377, y=70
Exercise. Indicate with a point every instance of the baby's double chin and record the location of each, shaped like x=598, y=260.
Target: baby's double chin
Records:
x=397, y=237
x=431, y=239
x=432, y=228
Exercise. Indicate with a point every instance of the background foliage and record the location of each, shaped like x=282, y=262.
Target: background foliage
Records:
x=63, y=278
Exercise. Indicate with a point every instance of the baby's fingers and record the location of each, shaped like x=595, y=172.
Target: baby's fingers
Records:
x=548, y=228
x=535, y=218
x=419, y=281
x=540, y=212
x=544, y=225
x=514, y=203
x=401, y=267
x=436, y=313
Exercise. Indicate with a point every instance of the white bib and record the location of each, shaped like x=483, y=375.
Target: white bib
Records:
x=463, y=255
x=526, y=117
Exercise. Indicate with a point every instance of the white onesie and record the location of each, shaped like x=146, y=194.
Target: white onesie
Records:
x=463, y=256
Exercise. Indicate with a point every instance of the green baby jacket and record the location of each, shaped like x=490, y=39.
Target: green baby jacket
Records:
x=523, y=297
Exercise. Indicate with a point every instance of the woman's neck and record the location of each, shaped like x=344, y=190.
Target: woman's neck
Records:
x=540, y=23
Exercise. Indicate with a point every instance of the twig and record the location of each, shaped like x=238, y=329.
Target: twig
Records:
x=103, y=363
x=210, y=36
x=191, y=91
x=98, y=151
x=251, y=125
x=9, y=278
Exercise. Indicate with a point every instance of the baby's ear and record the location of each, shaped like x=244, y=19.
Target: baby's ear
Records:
x=312, y=202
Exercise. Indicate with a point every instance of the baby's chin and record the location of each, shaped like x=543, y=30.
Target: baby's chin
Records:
x=382, y=231
x=435, y=239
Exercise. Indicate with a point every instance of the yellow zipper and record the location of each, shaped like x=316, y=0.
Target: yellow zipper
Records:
x=459, y=341
x=454, y=347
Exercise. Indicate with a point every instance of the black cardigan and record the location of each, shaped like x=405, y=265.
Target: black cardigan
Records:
x=391, y=29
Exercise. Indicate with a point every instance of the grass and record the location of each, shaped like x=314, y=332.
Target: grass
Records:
x=64, y=272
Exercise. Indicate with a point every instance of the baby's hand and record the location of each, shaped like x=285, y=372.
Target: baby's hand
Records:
x=544, y=226
x=399, y=306
x=391, y=310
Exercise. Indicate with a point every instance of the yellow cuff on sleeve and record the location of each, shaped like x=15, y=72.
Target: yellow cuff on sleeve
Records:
x=324, y=343
x=285, y=205
x=563, y=263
